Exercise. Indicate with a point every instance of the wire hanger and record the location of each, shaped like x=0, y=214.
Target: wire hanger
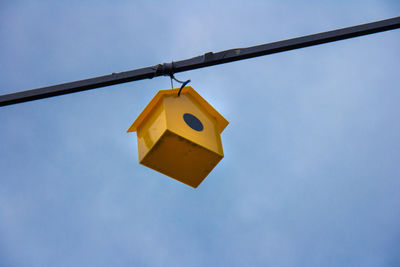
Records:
x=183, y=83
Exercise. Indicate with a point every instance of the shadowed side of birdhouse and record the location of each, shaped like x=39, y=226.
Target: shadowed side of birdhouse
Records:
x=181, y=159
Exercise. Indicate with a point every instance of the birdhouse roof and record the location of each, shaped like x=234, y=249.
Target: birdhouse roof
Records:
x=188, y=90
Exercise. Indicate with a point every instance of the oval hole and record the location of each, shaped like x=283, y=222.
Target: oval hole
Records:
x=193, y=122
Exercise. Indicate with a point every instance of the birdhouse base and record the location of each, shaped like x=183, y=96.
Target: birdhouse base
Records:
x=181, y=159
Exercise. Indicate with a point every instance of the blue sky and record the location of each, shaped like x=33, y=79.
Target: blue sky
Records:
x=310, y=175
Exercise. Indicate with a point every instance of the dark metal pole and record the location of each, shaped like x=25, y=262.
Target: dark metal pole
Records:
x=208, y=59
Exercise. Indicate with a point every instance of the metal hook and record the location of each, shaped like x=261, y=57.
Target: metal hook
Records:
x=183, y=83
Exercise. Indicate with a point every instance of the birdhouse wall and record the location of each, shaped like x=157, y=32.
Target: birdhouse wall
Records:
x=151, y=130
x=208, y=137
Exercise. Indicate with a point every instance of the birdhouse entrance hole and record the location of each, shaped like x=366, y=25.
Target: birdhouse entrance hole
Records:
x=193, y=122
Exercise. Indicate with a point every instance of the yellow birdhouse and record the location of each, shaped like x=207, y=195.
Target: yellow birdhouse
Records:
x=179, y=136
